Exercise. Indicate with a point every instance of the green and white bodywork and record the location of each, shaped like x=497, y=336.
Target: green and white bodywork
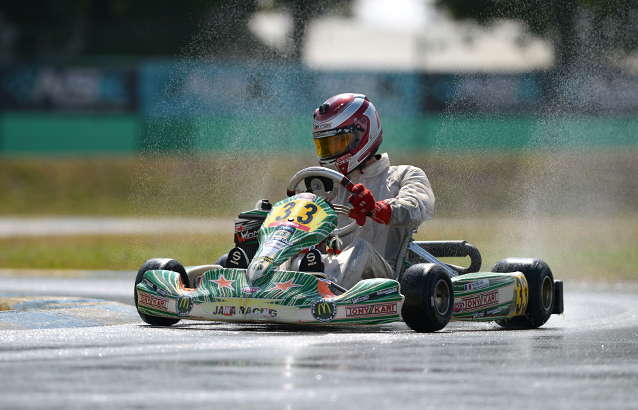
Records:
x=427, y=293
x=486, y=296
x=281, y=297
x=262, y=293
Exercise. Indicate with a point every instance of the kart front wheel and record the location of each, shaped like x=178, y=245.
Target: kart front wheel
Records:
x=429, y=297
x=540, y=282
x=157, y=264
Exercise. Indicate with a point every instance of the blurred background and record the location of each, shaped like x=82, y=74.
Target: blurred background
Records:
x=524, y=115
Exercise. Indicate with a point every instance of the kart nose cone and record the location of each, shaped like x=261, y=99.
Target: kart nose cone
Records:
x=255, y=271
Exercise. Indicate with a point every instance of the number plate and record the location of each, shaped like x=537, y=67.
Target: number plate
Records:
x=302, y=214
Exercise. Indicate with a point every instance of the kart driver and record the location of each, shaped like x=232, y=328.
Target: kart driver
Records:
x=397, y=199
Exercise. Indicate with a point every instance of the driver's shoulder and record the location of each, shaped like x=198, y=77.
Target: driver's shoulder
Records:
x=402, y=171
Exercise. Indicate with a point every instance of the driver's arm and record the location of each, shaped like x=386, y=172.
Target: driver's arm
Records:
x=414, y=203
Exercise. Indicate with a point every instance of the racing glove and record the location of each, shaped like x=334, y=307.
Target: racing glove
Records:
x=364, y=205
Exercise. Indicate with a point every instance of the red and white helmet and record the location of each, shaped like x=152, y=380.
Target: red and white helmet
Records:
x=347, y=130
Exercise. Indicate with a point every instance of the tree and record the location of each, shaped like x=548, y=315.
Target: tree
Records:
x=70, y=28
x=580, y=30
x=302, y=13
x=53, y=29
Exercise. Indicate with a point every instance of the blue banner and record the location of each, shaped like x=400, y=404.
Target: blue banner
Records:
x=204, y=89
x=76, y=89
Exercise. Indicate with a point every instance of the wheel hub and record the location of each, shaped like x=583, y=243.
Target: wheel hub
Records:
x=547, y=293
x=441, y=297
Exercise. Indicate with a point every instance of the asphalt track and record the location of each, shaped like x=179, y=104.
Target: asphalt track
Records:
x=90, y=350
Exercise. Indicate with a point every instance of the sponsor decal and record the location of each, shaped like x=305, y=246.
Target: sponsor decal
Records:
x=153, y=286
x=264, y=259
x=478, y=315
x=387, y=291
x=458, y=306
x=478, y=301
x=494, y=311
x=274, y=245
x=372, y=310
x=360, y=299
x=222, y=282
x=250, y=289
x=258, y=312
x=213, y=307
x=322, y=125
x=271, y=247
x=290, y=224
x=284, y=286
x=306, y=195
x=324, y=310
x=231, y=310
x=184, y=305
x=479, y=284
x=286, y=243
x=324, y=134
x=247, y=231
x=374, y=295
x=344, y=159
x=283, y=233
x=520, y=289
x=152, y=301
x=224, y=310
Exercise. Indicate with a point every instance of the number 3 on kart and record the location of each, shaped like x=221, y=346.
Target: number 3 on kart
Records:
x=305, y=219
x=310, y=214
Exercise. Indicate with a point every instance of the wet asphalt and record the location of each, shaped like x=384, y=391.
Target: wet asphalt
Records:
x=584, y=359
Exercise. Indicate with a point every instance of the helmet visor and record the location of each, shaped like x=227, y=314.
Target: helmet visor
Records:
x=329, y=146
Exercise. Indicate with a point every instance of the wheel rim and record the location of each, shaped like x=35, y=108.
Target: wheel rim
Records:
x=547, y=293
x=441, y=297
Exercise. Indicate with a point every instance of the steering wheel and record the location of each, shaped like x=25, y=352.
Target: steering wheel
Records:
x=317, y=178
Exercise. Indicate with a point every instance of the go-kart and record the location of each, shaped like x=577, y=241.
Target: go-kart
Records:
x=275, y=275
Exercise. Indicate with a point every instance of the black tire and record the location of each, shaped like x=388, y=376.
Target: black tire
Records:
x=540, y=281
x=429, y=297
x=155, y=264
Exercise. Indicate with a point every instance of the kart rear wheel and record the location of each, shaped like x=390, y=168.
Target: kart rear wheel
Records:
x=156, y=264
x=540, y=281
x=429, y=297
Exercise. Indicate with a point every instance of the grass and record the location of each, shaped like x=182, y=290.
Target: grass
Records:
x=109, y=252
x=575, y=209
x=575, y=248
x=465, y=184
x=45, y=186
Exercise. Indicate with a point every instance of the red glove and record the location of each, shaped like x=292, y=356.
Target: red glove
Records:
x=364, y=205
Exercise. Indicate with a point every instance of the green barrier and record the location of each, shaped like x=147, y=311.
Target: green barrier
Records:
x=473, y=132
x=434, y=132
x=29, y=133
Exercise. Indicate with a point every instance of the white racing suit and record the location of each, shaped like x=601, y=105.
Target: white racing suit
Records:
x=372, y=250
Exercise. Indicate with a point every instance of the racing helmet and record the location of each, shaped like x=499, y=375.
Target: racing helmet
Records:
x=347, y=130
